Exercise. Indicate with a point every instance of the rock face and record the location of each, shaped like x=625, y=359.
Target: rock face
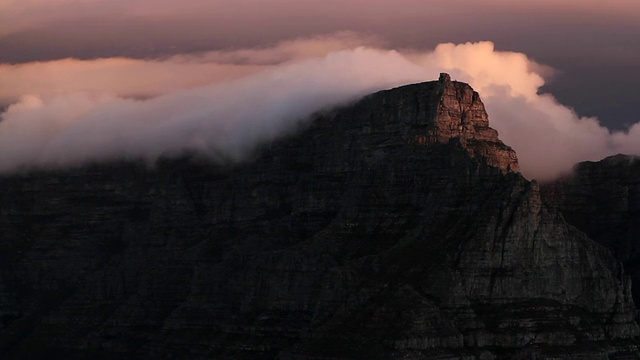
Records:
x=393, y=228
x=455, y=111
x=603, y=200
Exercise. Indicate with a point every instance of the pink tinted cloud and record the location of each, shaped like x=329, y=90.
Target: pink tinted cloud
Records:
x=274, y=90
x=145, y=78
x=228, y=117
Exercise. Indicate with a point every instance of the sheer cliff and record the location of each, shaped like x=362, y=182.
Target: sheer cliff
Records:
x=394, y=227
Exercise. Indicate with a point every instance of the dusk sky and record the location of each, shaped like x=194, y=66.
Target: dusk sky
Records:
x=586, y=54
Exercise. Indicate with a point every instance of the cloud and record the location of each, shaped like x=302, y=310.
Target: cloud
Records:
x=145, y=78
x=225, y=118
x=68, y=112
x=548, y=137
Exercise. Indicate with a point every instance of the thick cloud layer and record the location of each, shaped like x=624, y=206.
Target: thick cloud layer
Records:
x=224, y=118
x=223, y=104
x=595, y=45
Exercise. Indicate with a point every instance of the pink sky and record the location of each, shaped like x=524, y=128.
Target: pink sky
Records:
x=259, y=20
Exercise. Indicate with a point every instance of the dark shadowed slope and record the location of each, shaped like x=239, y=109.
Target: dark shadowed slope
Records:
x=603, y=200
x=396, y=227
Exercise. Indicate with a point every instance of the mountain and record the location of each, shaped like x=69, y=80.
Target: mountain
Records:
x=603, y=200
x=396, y=227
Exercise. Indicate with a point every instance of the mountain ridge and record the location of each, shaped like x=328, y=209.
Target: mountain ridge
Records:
x=353, y=239
x=602, y=198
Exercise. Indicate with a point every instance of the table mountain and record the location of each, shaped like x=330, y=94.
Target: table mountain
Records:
x=396, y=227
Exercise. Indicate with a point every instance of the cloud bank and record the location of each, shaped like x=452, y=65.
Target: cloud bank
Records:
x=68, y=112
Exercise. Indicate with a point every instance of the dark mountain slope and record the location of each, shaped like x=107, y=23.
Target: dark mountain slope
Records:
x=603, y=200
x=395, y=227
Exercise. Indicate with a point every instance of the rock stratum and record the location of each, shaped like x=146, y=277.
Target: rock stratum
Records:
x=396, y=227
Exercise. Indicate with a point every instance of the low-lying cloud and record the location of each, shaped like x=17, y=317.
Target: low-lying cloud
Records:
x=68, y=112
x=127, y=77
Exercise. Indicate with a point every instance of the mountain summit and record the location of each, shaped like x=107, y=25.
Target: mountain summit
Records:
x=396, y=227
x=460, y=114
x=433, y=112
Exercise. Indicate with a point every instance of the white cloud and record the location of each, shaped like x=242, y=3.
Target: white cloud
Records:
x=227, y=117
x=69, y=111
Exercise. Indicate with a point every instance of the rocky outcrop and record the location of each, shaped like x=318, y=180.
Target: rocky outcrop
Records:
x=450, y=110
x=603, y=200
x=395, y=227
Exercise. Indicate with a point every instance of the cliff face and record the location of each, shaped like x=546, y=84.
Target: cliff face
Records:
x=450, y=110
x=396, y=227
x=603, y=200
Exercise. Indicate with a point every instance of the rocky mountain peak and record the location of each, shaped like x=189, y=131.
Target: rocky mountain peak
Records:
x=461, y=114
x=443, y=111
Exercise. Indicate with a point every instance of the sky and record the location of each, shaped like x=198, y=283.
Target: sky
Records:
x=78, y=76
